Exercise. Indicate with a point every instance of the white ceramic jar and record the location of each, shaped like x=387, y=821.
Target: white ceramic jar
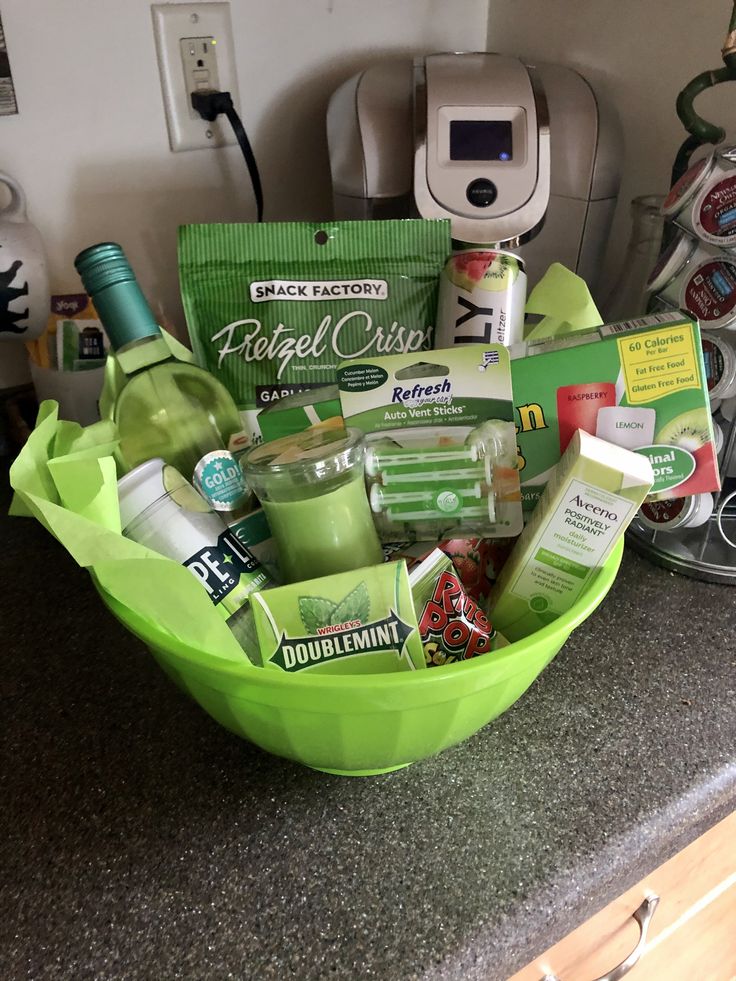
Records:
x=24, y=281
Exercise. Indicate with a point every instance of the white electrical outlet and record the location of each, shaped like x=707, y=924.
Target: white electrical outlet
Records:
x=194, y=45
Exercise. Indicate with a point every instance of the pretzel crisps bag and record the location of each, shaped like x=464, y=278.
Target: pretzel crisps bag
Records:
x=273, y=308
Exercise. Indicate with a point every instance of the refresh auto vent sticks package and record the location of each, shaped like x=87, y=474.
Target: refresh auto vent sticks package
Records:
x=273, y=308
x=441, y=457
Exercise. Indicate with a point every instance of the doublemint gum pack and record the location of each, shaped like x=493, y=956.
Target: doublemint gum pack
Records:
x=441, y=454
x=273, y=308
x=639, y=384
x=359, y=622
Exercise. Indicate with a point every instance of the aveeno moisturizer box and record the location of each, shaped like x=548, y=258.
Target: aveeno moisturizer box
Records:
x=640, y=384
x=359, y=622
x=591, y=497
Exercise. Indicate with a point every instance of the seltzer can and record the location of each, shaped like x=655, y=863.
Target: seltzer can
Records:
x=481, y=300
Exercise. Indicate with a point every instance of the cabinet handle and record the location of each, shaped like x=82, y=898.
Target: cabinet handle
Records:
x=643, y=916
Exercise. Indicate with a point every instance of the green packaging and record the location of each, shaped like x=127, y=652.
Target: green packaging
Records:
x=358, y=622
x=452, y=626
x=592, y=495
x=317, y=408
x=640, y=384
x=441, y=455
x=272, y=308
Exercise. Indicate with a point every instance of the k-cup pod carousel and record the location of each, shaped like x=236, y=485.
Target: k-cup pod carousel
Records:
x=695, y=535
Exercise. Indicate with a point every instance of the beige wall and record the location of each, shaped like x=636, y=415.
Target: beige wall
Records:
x=90, y=146
x=639, y=53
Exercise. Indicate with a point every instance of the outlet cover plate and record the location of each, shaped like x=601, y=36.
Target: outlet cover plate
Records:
x=171, y=23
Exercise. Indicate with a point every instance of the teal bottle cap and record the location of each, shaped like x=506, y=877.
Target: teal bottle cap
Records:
x=103, y=265
x=108, y=278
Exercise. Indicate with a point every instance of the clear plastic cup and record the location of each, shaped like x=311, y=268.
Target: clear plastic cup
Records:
x=312, y=489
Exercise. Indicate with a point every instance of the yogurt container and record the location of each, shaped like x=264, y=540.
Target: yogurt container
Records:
x=708, y=292
x=713, y=214
x=678, y=203
x=719, y=359
x=679, y=512
x=671, y=270
x=703, y=201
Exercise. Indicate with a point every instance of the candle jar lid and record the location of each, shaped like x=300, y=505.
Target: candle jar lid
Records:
x=307, y=464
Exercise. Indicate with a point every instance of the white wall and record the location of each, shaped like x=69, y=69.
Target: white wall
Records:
x=640, y=54
x=90, y=146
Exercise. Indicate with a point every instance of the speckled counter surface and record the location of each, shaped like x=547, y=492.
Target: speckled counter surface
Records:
x=140, y=840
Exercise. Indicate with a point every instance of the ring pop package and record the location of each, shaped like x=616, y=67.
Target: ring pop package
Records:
x=451, y=624
x=441, y=459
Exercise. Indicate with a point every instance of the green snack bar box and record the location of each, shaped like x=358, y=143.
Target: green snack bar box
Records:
x=359, y=622
x=594, y=492
x=640, y=384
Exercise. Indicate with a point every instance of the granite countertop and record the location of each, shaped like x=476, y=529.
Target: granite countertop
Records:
x=140, y=840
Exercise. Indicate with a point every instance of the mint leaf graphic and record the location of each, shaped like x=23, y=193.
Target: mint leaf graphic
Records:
x=355, y=606
x=315, y=612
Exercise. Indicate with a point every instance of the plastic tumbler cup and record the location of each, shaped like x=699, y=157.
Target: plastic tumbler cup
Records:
x=312, y=490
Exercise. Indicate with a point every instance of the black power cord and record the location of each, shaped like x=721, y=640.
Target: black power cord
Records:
x=210, y=105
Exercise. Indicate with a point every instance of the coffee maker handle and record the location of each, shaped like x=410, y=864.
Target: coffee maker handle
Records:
x=16, y=209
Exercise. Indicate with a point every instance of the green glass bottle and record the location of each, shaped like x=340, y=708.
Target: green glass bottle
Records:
x=168, y=408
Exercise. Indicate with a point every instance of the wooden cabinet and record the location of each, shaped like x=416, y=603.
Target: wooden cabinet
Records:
x=692, y=934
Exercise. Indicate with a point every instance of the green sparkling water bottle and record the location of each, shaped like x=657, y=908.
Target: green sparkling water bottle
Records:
x=167, y=408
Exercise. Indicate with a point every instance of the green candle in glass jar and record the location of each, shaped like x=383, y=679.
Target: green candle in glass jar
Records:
x=313, y=493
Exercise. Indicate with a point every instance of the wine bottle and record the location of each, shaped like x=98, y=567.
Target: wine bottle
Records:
x=167, y=407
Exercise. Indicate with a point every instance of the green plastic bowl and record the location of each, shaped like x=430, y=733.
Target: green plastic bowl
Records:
x=360, y=725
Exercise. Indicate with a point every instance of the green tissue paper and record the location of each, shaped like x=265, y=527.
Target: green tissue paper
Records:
x=564, y=301
x=66, y=477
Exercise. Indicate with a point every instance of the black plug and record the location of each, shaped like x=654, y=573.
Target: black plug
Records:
x=210, y=104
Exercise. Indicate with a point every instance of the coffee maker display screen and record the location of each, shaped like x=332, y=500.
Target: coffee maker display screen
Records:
x=480, y=139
